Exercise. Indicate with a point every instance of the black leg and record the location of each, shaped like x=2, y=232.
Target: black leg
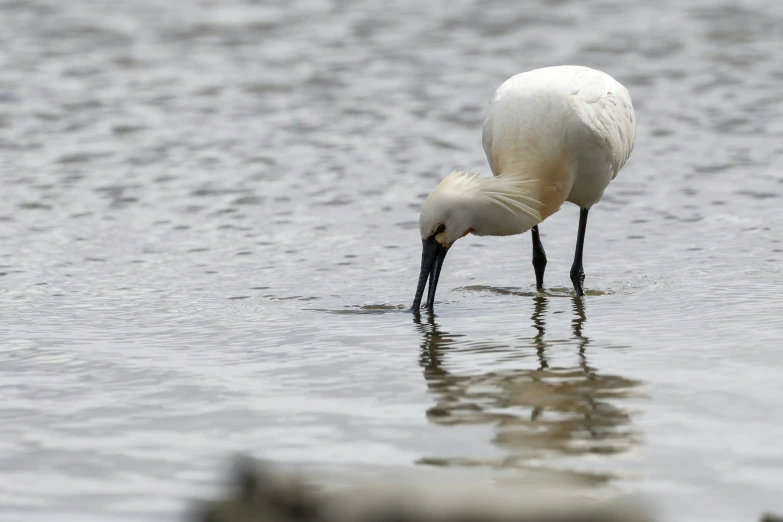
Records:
x=539, y=258
x=577, y=272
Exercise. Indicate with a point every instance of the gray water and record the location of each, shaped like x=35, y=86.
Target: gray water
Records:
x=208, y=239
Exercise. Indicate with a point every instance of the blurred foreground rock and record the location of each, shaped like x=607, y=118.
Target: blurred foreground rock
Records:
x=261, y=494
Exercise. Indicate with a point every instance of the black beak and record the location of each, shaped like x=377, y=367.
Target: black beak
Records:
x=432, y=256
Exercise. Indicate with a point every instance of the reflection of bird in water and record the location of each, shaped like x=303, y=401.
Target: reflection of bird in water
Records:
x=542, y=412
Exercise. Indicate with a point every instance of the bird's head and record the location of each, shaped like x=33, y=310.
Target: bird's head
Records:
x=465, y=204
x=445, y=217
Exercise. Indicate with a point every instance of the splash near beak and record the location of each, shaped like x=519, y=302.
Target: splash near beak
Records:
x=432, y=256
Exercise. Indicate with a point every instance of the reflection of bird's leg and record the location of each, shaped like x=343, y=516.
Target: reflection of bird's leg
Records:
x=539, y=258
x=577, y=324
x=536, y=413
x=540, y=325
x=579, y=318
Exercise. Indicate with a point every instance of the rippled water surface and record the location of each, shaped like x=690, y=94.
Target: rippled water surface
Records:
x=208, y=238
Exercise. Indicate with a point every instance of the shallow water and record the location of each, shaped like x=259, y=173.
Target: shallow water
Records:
x=208, y=239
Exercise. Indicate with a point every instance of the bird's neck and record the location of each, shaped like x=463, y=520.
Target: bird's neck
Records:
x=524, y=193
x=505, y=206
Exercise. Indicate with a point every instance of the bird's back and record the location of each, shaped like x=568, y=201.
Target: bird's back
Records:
x=570, y=128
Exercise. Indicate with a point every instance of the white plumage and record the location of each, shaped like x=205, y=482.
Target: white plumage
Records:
x=550, y=135
x=571, y=127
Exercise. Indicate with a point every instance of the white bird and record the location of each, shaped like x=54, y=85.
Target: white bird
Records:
x=551, y=135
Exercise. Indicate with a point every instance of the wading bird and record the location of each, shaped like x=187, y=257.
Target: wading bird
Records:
x=550, y=135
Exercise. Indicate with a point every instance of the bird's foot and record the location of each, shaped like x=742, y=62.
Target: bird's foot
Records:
x=539, y=264
x=578, y=279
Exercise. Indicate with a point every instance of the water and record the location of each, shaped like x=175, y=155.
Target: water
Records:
x=208, y=236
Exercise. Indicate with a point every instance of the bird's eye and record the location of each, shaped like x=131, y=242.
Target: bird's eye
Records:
x=441, y=228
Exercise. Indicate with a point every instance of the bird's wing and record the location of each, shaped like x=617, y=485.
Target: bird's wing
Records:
x=604, y=115
x=486, y=139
